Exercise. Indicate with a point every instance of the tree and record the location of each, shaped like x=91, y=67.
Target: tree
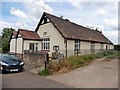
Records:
x=0, y=41
x=6, y=33
x=117, y=47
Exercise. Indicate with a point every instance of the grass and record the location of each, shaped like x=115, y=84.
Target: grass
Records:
x=43, y=72
x=74, y=62
x=113, y=55
x=0, y=49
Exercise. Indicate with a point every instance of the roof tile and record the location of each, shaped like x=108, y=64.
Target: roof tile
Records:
x=29, y=35
x=71, y=30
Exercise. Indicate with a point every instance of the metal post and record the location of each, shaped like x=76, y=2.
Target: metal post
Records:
x=77, y=52
x=47, y=58
x=45, y=65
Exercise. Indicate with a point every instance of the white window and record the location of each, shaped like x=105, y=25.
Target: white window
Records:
x=33, y=46
x=46, y=44
x=92, y=47
x=77, y=45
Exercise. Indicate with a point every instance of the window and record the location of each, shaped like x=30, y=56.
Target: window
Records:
x=45, y=20
x=45, y=33
x=92, y=47
x=46, y=44
x=77, y=45
x=33, y=46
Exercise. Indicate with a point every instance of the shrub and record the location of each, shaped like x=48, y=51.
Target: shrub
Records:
x=74, y=62
x=113, y=55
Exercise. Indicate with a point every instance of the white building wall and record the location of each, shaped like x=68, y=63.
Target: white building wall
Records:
x=97, y=46
x=57, y=39
x=12, y=45
x=52, y=33
x=111, y=46
x=19, y=45
x=26, y=44
x=85, y=47
x=70, y=47
x=108, y=46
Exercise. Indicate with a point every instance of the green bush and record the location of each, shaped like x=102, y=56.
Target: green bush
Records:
x=112, y=55
x=44, y=72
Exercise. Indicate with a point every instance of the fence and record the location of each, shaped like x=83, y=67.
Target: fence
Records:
x=80, y=52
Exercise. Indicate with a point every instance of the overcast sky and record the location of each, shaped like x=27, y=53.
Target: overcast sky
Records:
x=26, y=15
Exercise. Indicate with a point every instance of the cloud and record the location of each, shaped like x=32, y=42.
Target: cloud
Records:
x=112, y=35
x=14, y=25
x=28, y=19
x=18, y=13
x=101, y=11
x=5, y=25
x=101, y=15
x=113, y=23
x=37, y=7
x=75, y=3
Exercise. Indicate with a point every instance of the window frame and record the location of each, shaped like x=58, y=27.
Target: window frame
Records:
x=46, y=44
x=77, y=45
x=92, y=47
x=34, y=46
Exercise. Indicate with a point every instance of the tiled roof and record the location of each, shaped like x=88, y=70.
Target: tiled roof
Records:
x=70, y=30
x=28, y=35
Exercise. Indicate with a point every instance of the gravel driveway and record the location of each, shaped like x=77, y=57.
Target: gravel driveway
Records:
x=98, y=74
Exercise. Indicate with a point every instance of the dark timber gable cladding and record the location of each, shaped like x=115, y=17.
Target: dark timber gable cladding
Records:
x=70, y=30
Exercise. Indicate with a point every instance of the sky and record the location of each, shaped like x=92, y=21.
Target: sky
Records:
x=25, y=14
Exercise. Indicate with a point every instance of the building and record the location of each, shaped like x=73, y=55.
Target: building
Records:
x=54, y=32
x=24, y=40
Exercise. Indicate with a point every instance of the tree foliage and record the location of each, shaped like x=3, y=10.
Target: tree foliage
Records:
x=0, y=41
x=117, y=47
x=6, y=33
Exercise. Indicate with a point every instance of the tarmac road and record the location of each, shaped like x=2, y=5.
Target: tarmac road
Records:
x=28, y=80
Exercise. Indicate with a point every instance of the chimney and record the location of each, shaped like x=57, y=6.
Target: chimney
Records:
x=67, y=19
x=61, y=17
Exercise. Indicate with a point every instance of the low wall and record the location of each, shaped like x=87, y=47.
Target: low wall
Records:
x=33, y=58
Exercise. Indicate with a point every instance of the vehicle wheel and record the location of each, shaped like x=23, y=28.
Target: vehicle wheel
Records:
x=21, y=70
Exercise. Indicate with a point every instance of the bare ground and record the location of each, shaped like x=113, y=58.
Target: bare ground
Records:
x=99, y=74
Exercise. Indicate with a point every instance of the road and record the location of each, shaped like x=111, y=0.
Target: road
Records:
x=99, y=74
x=28, y=80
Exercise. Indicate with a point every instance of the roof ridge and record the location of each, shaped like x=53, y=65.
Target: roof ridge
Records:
x=73, y=30
x=26, y=30
x=69, y=21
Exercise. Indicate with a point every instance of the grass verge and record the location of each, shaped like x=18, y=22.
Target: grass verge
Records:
x=43, y=72
x=74, y=62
